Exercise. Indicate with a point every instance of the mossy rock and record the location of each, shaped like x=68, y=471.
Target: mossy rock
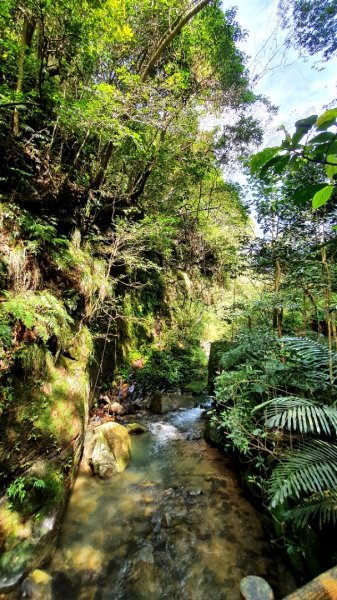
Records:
x=135, y=428
x=163, y=403
x=110, y=450
x=35, y=550
x=46, y=425
x=211, y=433
x=38, y=585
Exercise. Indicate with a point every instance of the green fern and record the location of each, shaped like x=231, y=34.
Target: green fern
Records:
x=300, y=415
x=319, y=507
x=312, y=354
x=40, y=484
x=309, y=469
x=39, y=310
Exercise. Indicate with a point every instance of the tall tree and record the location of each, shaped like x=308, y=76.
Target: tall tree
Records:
x=312, y=25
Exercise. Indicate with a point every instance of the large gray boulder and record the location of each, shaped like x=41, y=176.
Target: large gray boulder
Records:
x=163, y=403
x=108, y=450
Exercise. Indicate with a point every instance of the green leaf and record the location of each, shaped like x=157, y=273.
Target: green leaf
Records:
x=261, y=158
x=325, y=136
x=281, y=163
x=327, y=118
x=320, y=151
x=331, y=170
x=302, y=127
x=277, y=163
x=321, y=197
x=307, y=193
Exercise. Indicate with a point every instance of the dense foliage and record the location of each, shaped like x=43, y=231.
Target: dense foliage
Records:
x=312, y=25
x=114, y=211
x=109, y=180
x=115, y=214
x=275, y=399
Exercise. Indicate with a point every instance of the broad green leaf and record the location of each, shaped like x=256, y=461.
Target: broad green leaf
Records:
x=278, y=164
x=302, y=127
x=261, y=158
x=281, y=163
x=327, y=118
x=331, y=169
x=307, y=193
x=320, y=151
x=321, y=197
x=325, y=136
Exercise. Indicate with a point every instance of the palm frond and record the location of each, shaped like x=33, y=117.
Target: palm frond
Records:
x=311, y=468
x=319, y=507
x=313, y=354
x=300, y=415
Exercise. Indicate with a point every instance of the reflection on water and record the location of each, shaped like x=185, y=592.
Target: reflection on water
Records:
x=173, y=526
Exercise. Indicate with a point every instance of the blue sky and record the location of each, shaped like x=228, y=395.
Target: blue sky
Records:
x=291, y=83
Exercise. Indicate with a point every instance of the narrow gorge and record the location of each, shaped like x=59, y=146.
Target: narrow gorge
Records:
x=168, y=300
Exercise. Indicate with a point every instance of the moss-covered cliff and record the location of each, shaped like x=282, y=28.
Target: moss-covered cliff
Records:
x=41, y=443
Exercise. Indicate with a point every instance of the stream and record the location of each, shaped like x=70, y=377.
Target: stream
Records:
x=174, y=525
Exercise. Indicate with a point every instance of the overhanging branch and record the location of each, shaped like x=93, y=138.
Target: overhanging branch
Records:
x=171, y=34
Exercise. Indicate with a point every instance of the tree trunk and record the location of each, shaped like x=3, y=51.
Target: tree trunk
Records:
x=278, y=311
x=26, y=40
x=99, y=176
x=170, y=34
x=331, y=325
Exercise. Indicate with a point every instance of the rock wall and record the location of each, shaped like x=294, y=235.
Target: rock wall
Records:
x=42, y=435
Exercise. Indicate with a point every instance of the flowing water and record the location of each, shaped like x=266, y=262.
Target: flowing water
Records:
x=174, y=525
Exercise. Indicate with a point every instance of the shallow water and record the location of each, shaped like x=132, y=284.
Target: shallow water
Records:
x=174, y=525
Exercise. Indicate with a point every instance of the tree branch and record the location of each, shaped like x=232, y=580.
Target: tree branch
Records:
x=9, y=104
x=171, y=34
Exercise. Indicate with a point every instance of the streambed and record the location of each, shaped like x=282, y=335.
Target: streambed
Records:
x=174, y=525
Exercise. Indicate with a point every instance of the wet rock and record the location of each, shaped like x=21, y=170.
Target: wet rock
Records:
x=116, y=408
x=163, y=403
x=194, y=436
x=145, y=555
x=174, y=517
x=37, y=586
x=217, y=483
x=85, y=558
x=109, y=450
x=196, y=492
x=144, y=577
x=135, y=428
x=255, y=588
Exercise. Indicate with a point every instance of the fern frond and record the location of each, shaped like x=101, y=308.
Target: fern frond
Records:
x=312, y=354
x=300, y=415
x=320, y=507
x=311, y=468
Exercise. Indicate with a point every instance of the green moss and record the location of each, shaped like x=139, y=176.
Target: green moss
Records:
x=48, y=413
x=40, y=451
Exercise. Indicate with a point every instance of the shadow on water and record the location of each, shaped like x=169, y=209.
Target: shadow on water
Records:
x=174, y=525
